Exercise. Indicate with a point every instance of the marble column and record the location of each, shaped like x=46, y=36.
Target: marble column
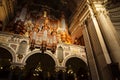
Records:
x=97, y=47
x=109, y=33
x=90, y=57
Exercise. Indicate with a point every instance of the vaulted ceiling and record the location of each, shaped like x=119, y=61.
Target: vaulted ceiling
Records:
x=55, y=6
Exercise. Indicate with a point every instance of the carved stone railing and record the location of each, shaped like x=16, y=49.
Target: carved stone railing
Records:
x=12, y=40
x=21, y=47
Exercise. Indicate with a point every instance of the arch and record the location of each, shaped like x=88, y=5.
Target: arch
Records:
x=38, y=51
x=76, y=66
x=22, y=47
x=60, y=54
x=11, y=52
x=71, y=56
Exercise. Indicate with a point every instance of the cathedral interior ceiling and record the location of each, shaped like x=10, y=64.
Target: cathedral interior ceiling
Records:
x=55, y=6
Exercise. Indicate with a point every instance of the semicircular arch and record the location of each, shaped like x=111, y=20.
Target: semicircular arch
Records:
x=11, y=52
x=38, y=51
x=71, y=56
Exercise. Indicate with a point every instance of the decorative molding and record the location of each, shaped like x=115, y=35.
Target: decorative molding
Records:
x=15, y=42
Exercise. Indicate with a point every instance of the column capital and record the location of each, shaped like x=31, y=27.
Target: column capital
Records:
x=99, y=8
x=14, y=65
x=58, y=68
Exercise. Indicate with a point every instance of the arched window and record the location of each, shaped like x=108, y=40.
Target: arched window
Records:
x=60, y=54
x=22, y=47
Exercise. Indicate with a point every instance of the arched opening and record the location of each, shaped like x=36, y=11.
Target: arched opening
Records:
x=76, y=69
x=39, y=67
x=22, y=48
x=5, y=63
x=60, y=54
